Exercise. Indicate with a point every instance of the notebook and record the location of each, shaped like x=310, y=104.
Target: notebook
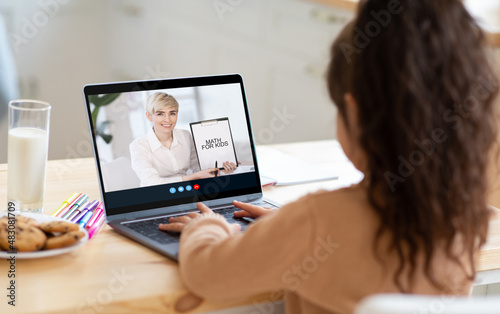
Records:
x=275, y=169
x=147, y=162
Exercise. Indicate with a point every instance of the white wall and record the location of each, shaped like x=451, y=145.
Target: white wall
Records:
x=55, y=57
x=280, y=47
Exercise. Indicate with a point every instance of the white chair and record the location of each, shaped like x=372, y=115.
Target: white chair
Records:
x=427, y=304
x=118, y=175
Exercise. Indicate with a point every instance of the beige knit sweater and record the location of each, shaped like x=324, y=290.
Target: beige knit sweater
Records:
x=318, y=250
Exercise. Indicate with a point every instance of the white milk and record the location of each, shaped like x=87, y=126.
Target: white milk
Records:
x=27, y=159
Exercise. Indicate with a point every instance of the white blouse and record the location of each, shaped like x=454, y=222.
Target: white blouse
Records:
x=155, y=164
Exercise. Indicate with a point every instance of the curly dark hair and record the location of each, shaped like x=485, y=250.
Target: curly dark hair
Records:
x=420, y=75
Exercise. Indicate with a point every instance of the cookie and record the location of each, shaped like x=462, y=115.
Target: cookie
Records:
x=59, y=226
x=4, y=221
x=64, y=240
x=27, y=238
x=3, y=234
x=30, y=221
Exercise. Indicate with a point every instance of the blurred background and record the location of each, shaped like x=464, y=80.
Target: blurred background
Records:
x=49, y=49
x=280, y=47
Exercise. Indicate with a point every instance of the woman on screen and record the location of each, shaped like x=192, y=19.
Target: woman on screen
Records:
x=166, y=154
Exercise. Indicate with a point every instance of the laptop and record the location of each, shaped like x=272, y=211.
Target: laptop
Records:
x=143, y=183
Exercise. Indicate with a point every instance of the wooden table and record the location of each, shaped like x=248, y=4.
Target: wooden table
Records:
x=112, y=274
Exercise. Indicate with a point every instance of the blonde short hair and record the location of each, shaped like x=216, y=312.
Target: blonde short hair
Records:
x=159, y=101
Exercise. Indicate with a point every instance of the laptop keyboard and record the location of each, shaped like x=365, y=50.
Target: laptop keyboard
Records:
x=149, y=228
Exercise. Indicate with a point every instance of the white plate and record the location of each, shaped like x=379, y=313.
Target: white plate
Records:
x=41, y=218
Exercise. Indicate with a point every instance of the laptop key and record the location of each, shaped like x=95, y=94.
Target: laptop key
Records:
x=264, y=204
x=149, y=228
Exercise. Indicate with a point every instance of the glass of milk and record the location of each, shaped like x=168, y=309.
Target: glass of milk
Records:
x=27, y=154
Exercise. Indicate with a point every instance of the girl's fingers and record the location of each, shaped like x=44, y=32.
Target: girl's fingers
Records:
x=203, y=208
x=183, y=219
x=172, y=227
x=242, y=213
x=253, y=210
x=235, y=228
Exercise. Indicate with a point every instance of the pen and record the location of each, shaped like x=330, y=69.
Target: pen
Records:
x=78, y=203
x=83, y=198
x=77, y=211
x=97, y=214
x=217, y=169
x=89, y=225
x=89, y=207
x=83, y=222
x=66, y=203
x=65, y=210
x=95, y=229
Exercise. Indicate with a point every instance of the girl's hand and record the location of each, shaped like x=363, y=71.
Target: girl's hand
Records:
x=177, y=224
x=229, y=167
x=250, y=210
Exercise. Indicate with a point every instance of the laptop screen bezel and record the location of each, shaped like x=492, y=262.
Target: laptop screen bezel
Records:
x=180, y=204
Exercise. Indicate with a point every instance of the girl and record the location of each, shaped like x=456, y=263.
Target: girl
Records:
x=415, y=103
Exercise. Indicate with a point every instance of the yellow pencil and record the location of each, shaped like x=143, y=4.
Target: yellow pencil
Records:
x=66, y=203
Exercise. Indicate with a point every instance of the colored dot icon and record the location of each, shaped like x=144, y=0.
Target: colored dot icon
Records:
x=188, y=188
x=180, y=189
x=196, y=187
x=172, y=190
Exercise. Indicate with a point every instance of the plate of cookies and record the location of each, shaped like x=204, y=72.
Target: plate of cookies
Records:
x=38, y=235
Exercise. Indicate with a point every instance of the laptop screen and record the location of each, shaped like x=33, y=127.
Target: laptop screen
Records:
x=169, y=142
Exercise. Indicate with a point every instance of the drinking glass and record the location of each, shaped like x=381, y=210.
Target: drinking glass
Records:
x=27, y=154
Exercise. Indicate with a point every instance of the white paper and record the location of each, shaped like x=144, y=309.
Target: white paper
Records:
x=286, y=169
x=213, y=143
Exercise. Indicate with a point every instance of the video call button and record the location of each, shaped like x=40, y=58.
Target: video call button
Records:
x=172, y=190
x=188, y=188
x=180, y=189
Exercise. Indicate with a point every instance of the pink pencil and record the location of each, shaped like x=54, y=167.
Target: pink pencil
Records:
x=97, y=227
x=97, y=214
